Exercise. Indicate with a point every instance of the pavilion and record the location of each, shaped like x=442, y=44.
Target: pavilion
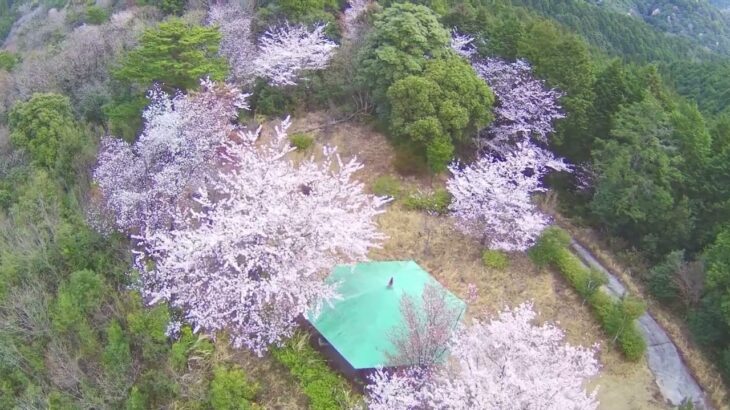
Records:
x=353, y=330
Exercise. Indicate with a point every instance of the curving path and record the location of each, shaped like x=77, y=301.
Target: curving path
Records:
x=674, y=379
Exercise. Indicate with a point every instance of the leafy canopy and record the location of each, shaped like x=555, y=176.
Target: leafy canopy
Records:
x=175, y=53
x=403, y=38
x=442, y=107
x=45, y=126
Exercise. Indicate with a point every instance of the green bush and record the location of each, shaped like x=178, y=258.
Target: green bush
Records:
x=230, y=390
x=96, y=15
x=386, y=185
x=117, y=357
x=301, y=141
x=176, y=53
x=495, y=259
x=437, y=201
x=152, y=391
x=617, y=317
x=173, y=7
x=77, y=298
x=269, y=100
x=147, y=327
x=324, y=388
x=662, y=278
x=187, y=345
x=585, y=281
x=45, y=126
x=549, y=245
x=8, y=60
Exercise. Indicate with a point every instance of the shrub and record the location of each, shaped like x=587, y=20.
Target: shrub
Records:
x=187, y=345
x=437, y=202
x=117, y=357
x=495, y=259
x=153, y=390
x=548, y=246
x=96, y=15
x=617, y=317
x=324, y=388
x=175, y=53
x=269, y=100
x=8, y=60
x=46, y=127
x=301, y=141
x=231, y=390
x=386, y=185
x=662, y=277
x=147, y=327
x=174, y=7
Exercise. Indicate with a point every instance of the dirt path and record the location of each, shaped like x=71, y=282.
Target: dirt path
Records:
x=673, y=378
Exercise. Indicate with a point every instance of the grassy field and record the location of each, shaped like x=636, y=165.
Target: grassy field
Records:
x=455, y=260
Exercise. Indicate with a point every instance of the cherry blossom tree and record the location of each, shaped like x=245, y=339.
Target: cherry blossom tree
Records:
x=423, y=339
x=140, y=183
x=288, y=51
x=236, y=43
x=506, y=363
x=351, y=17
x=462, y=44
x=491, y=197
x=248, y=253
x=525, y=107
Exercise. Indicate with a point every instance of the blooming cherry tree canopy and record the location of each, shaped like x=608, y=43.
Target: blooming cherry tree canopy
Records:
x=525, y=106
x=287, y=51
x=141, y=182
x=462, y=44
x=491, y=197
x=506, y=363
x=248, y=253
x=236, y=43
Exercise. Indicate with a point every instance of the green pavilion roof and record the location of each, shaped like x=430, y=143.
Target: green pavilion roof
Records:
x=357, y=325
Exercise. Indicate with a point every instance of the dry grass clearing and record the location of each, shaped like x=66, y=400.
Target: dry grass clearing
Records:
x=455, y=260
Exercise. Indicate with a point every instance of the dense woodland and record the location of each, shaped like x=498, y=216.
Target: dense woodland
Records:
x=115, y=114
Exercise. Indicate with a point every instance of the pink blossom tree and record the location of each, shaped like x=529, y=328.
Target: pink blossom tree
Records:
x=506, y=363
x=248, y=253
x=525, y=108
x=491, y=197
x=237, y=45
x=352, y=27
x=288, y=51
x=462, y=44
x=141, y=183
x=423, y=339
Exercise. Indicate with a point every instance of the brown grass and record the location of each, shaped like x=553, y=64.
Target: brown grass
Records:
x=455, y=260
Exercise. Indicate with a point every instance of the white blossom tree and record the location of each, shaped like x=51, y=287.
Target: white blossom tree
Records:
x=426, y=330
x=352, y=26
x=288, y=51
x=491, y=197
x=462, y=44
x=141, y=183
x=248, y=253
x=237, y=46
x=526, y=108
x=506, y=363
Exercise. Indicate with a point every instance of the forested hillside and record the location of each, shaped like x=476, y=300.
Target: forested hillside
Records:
x=700, y=21
x=178, y=178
